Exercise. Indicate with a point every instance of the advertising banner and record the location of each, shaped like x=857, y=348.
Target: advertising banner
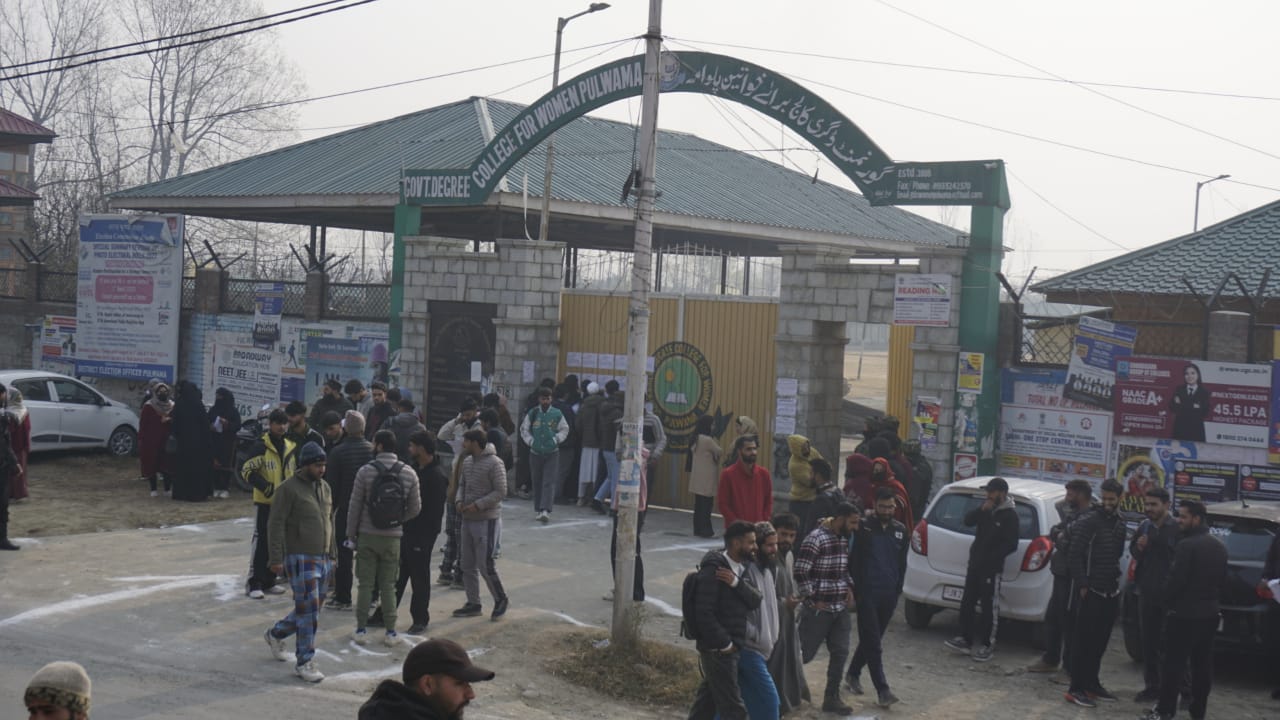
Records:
x=1259, y=483
x=268, y=308
x=928, y=411
x=129, y=296
x=969, y=379
x=58, y=344
x=1091, y=374
x=1206, y=481
x=1204, y=401
x=335, y=359
x=922, y=300
x=252, y=374
x=1054, y=443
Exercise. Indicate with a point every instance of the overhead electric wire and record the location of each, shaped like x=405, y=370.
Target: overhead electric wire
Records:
x=199, y=41
x=356, y=91
x=1062, y=212
x=166, y=38
x=983, y=73
x=1126, y=103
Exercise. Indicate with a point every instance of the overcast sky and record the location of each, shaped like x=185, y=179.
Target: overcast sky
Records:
x=1093, y=207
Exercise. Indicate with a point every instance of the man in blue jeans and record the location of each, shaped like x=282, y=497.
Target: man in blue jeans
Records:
x=878, y=564
x=543, y=429
x=759, y=693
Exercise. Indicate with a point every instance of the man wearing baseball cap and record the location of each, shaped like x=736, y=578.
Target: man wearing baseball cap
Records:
x=301, y=544
x=995, y=536
x=58, y=691
x=437, y=685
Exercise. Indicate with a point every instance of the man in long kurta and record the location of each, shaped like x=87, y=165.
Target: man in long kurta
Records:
x=785, y=664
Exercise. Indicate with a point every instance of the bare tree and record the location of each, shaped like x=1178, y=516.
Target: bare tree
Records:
x=210, y=102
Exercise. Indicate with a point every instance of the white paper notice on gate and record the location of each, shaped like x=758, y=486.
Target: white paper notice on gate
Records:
x=922, y=299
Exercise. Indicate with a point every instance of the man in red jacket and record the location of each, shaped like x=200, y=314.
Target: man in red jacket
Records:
x=746, y=489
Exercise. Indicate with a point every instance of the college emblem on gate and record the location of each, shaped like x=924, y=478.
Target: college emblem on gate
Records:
x=681, y=388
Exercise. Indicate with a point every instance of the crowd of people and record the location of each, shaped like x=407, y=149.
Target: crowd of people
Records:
x=359, y=488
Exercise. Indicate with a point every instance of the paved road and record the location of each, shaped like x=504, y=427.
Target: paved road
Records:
x=160, y=619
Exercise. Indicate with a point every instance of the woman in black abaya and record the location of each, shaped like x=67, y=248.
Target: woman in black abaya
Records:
x=193, y=469
x=224, y=423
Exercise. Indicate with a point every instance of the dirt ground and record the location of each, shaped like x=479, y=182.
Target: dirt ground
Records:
x=89, y=491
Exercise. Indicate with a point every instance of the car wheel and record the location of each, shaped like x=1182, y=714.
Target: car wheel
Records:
x=917, y=614
x=123, y=441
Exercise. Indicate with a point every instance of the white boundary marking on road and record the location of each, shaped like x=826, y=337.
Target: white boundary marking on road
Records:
x=82, y=603
x=365, y=651
x=188, y=528
x=703, y=546
x=328, y=655
x=571, y=523
x=567, y=618
x=664, y=606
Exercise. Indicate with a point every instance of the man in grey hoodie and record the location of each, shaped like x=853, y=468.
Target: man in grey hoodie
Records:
x=482, y=484
x=378, y=548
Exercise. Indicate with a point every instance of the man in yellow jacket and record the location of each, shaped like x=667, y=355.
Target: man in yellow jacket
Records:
x=803, y=488
x=273, y=459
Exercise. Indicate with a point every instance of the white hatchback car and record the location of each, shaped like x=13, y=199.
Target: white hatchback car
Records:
x=66, y=414
x=940, y=551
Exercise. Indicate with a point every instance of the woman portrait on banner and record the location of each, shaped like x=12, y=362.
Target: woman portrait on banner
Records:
x=224, y=423
x=154, y=424
x=1190, y=406
x=193, y=479
x=20, y=441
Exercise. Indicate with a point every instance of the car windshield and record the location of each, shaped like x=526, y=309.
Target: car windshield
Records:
x=949, y=511
x=1247, y=540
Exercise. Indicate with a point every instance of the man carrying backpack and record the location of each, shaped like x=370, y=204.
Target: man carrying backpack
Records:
x=384, y=496
x=723, y=598
x=543, y=429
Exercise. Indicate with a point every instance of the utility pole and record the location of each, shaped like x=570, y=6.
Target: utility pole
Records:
x=545, y=220
x=626, y=629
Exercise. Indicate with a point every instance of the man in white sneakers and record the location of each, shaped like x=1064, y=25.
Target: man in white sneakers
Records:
x=301, y=542
x=385, y=495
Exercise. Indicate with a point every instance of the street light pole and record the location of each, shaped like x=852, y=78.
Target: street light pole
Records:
x=1195, y=225
x=545, y=220
x=626, y=630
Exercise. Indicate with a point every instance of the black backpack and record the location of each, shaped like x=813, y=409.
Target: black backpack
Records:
x=387, y=500
x=688, y=600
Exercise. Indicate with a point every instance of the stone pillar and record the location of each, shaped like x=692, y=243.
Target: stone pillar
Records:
x=936, y=352
x=529, y=278
x=1229, y=333
x=209, y=283
x=314, y=301
x=810, y=348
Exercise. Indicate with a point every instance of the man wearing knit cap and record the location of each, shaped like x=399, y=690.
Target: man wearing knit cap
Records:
x=302, y=547
x=58, y=691
x=437, y=685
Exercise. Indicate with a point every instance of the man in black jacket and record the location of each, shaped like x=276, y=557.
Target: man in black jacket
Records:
x=1059, y=620
x=1270, y=571
x=420, y=533
x=996, y=536
x=1152, y=547
x=345, y=461
x=1191, y=593
x=437, y=678
x=1097, y=542
x=725, y=598
x=878, y=564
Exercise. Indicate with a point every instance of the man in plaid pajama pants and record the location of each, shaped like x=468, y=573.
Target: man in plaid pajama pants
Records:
x=302, y=546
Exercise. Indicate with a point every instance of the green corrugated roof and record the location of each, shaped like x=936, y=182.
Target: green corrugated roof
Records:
x=1247, y=245
x=697, y=177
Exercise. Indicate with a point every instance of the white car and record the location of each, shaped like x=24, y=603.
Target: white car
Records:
x=66, y=413
x=940, y=551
